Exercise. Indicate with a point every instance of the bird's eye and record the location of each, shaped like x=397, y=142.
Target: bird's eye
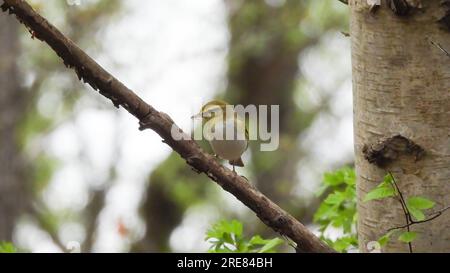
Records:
x=210, y=113
x=207, y=114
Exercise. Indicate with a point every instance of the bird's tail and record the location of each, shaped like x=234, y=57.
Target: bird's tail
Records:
x=237, y=162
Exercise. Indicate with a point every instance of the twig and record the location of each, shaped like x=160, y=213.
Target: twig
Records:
x=409, y=220
x=402, y=199
x=405, y=209
x=435, y=215
x=149, y=118
x=440, y=47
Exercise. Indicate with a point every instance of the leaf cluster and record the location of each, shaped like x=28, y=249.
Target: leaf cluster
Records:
x=338, y=209
x=227, y=237
x=414, y=207
x=6, y=247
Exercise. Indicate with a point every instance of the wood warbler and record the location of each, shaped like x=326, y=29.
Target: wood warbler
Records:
x=216, y=123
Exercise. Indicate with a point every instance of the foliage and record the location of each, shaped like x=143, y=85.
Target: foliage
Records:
x=338, y=210
x=383, y=190
x=417, y=204
x=227, y=237
x=383, y=240
x=408, y=236
x=6, y=247
x=413, y=206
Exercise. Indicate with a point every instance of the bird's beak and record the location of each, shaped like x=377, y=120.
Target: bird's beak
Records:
x=199, y=115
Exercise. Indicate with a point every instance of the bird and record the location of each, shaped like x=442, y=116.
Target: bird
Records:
x=215, y=119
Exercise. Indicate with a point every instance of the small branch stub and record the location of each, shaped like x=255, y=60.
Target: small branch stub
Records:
x=399, y=7
x=388, y=150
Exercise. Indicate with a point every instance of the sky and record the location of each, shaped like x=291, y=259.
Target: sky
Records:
x=173, y=53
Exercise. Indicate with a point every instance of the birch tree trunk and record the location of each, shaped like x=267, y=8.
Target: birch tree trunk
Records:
x=401, y=86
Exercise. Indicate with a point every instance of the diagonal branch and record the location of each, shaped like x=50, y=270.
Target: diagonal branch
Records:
x=149, y=118
x=440, y=48
x=435, y=215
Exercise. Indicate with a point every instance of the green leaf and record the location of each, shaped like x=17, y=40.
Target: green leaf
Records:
x=407, y=237
x=257, y=240
x=271, y=245
x=416, y=213
x=268, y=245
x=383, y=190
x=420, y=202
x=335, y=198
x=6, y=247
x=335, y=179
x=345, y=220
x=243, y=246
x=224, y=230
x=387, y=180
x=226, y=237
x=350, y=193
x=236, y=228
x=222, y=249
x=416, y=204
x=344, y=243
x=325, y=211
x=385, y=238
x=338, y=209
x=345, y=175
x=355, y=216
x=379, y=193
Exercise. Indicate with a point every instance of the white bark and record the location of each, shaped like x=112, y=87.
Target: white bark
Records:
x=401, y=85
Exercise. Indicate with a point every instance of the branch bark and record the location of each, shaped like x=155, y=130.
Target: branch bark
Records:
x=149, y=118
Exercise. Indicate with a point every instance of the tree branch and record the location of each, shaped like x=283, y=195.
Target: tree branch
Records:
x=435, y=215
x=440, y=48
x=149, y=118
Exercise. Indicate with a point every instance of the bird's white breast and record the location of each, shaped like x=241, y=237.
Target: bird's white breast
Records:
x=233, y=146
x=229, y=149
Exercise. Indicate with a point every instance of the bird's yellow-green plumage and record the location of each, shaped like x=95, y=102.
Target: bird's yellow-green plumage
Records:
x=215, y=119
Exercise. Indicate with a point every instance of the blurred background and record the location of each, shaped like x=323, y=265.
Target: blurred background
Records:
x=75, y=169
